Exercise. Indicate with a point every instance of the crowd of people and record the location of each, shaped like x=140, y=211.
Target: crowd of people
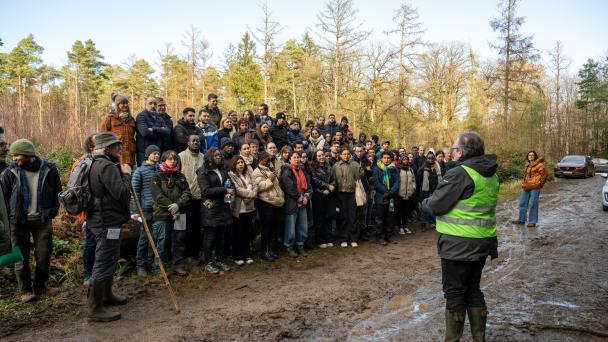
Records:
x=208, y=187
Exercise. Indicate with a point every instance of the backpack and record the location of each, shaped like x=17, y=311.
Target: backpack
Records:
x=77, y=194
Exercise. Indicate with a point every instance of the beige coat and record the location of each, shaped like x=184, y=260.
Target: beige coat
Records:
x=246, y=192
x=269, y=191
x=407, y=186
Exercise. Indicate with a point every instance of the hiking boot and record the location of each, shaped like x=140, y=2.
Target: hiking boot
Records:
x=518, y=222
x=27, y=297
x=477, y=319
x=142, y=272
x=291, y=252
x=222, y=267
x=97, y=311
x=110, y=298
x=211, y=269
x=267, y=256
x=531, y=225
x=301, y=251
x=272, y=253
x=180, y=271
x=192, y=261
x=454, y=325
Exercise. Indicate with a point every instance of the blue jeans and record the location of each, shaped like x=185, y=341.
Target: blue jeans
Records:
x=160, y=229
x=526, y=197
x=88, y=253
x=296, y=228
x=145, y=255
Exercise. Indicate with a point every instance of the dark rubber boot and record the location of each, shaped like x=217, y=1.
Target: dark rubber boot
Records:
x=97, y=311
x=110, y=298
x=454, y=325
x=477, y=319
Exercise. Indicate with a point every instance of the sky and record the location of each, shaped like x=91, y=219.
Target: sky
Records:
x=121, y=29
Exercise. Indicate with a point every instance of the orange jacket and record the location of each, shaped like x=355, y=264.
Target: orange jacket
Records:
x=125, y=132
x=535, y=175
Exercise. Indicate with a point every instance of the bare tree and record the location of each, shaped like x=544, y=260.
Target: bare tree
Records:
x=198, y=56
x=409, y=30
x=265, y=36
x=342, y=34
x=558, y=65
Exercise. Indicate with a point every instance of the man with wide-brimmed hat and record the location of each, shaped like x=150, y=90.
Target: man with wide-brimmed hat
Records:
x=109, y=181
x=31, y=186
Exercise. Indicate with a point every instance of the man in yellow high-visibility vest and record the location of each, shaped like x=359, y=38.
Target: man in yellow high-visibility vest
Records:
x=465, y=206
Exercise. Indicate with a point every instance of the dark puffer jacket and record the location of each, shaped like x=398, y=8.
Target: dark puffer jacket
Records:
x=181, y=132
x=214, y=212
x=49, y=186
x=287, y=179
x=322, y=177
x=111, y=194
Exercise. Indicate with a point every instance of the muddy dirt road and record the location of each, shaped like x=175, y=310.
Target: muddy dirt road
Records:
x=550, y=283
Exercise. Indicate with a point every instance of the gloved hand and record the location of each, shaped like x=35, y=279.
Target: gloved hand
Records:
x=174, y=209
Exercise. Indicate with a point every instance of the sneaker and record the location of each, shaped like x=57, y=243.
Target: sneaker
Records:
x=180, y=271
x=142, y=272
x=401, y=231
x=518, y=222
x=301, y=251
x=292, y=253
x=407, y=231
x=344, y=244
x=531, y=225
x=354, y=244
x=211, y=269
x=222, y=267
x=249, y=261
x=323, y=246
x=239, y=262
x=27, y=297
x=330, y=244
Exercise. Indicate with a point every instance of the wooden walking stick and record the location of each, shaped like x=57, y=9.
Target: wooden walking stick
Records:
x=151, y=240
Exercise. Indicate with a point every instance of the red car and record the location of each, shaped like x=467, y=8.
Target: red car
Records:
x=575, y=166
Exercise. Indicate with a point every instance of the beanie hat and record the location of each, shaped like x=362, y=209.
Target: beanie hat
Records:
x=22, y=147
x=225, y=142
x=150, y=149
x=105, y=139
x=280, y=115
x=118, y=98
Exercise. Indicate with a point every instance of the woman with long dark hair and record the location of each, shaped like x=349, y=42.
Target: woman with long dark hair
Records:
x=171, y=195
x=323, y=184
x=262, y=135
x=217, y=194
x=243, y=210
x=535, y=177
x=248, y=115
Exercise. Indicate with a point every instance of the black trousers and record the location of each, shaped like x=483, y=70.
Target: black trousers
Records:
x=194, y=238
x=347, y=230
x=241, y=232
x=321, y=222
x=270, y=217
x=461, y=284
x=384, y=221
x=42, y=233
x=405, y=208
x=213, y=241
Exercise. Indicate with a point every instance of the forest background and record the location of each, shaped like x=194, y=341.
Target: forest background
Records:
x=404, y=88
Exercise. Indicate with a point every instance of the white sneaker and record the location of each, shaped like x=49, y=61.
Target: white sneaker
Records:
x=249, y=261
x=330, y=244
x=407, y=231
x=344, y=244
x=323, y=245
x=239, y=262
x=401, y=231
x=354, y=244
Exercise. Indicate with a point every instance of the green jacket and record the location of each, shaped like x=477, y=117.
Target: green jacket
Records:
x=347, y=175
x=166, y=190
x=5, y=228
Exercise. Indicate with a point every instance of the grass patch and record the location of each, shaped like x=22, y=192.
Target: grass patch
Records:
x=509, y=190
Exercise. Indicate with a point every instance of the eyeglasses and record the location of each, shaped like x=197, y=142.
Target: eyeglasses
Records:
x=454, y=148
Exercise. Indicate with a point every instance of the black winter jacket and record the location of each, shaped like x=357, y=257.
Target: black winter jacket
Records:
x=289, y=186
x=49, y=186
x=181, y=132
x=214, y=212
x=322, y=178
x=433, y=180
x=111, y=194
x=279, y=136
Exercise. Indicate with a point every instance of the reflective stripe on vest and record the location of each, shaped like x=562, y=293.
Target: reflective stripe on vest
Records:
x=474, y=217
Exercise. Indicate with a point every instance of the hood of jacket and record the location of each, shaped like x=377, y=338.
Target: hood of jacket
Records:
x=486, y=164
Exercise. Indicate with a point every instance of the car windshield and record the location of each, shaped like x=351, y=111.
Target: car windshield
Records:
x=574, y=159
x=600, y=161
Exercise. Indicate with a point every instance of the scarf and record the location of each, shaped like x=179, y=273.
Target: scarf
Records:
x=248, y=160
x=301, y=183
x=386, y=179
x=124, y=116
x=167, y=169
